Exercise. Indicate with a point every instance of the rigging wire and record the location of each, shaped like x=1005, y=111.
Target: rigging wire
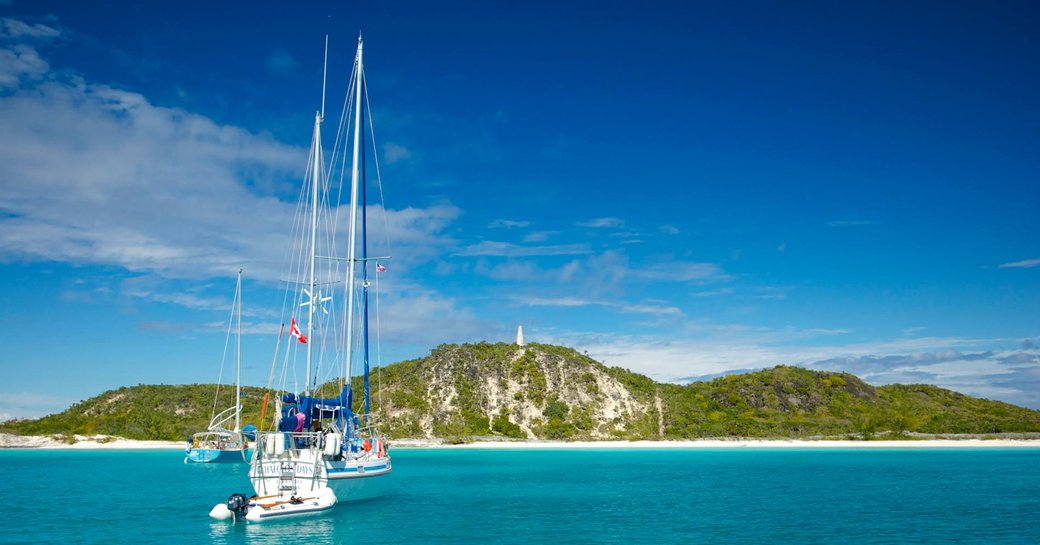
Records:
x=331, y=349
x=386, y=236
x=223, y=358
x=379, y=176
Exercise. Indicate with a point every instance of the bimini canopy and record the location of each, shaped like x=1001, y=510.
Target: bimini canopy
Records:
x=300, y=412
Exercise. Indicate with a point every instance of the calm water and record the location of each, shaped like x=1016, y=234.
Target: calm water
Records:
x=560, y=497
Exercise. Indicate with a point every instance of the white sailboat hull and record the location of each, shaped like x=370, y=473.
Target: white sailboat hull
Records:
x=355, y=481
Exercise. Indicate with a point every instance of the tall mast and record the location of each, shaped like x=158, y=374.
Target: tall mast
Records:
x=364, y=246
x=238, y=357
x=354, y=182
x=316, y=167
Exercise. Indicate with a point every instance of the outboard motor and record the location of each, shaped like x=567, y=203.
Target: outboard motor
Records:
x=238, y=504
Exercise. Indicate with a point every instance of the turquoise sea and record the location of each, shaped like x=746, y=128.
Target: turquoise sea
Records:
x=770, y=496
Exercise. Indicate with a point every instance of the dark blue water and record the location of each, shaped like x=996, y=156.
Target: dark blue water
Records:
x=586, y=496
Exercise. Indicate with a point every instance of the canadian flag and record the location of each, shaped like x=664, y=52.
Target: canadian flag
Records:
x=295, y=331
x=380, y=268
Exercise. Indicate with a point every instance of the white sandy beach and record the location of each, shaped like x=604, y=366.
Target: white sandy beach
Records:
x=101, y=442
x=96, y=442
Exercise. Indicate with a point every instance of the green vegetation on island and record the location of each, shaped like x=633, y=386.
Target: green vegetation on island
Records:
x=459, y=392
x=143, y=412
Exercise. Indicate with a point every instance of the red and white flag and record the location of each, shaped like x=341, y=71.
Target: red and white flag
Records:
x=380, y=268
x=295, y=331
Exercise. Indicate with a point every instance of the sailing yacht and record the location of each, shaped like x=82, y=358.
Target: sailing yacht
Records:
x=319, y=451
x=218, y=443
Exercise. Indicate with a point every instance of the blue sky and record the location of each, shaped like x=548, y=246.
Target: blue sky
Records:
x=681, y=189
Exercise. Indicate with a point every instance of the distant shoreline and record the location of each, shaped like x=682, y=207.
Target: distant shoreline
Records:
x=720, y=444
x=18, y=442
x=97, y=442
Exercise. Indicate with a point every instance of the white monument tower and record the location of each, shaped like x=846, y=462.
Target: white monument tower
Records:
x=520, y=335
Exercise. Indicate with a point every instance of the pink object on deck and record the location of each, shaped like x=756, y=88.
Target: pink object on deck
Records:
x=300, y=419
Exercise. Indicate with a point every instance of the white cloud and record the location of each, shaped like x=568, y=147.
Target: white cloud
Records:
x=395, y=153
x=29, y=405
x=669, y=229
x=156, y=289
x=569, y=271
x=506, y=249
x=427, y=319
x=413, y=232
x=1011, y=375
x=507, y=224
x=539, y=236
x=523, y=271
x=628, y=308
x=597, y=277
x=19, y=59
x=771, y=293
x=657, y=310
x=713, y=293
x=602, y=223
x=679, y=271
x=14, y=29
x=1025, y=264
x=99, y=175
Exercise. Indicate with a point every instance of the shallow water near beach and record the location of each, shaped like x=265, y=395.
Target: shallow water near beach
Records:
x=779, y=496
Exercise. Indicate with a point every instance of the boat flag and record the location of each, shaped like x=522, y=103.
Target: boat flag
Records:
x=380, y=268
x=295, y=331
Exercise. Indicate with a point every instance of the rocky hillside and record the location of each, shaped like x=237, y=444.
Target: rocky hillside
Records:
x=549, y=392
x=539, y=391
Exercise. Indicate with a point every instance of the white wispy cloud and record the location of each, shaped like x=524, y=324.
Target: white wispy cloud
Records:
x=29, y=405
x=99, y=175
x=15, y=29
x=630, y=308
x=512, y=270
x=96, y=174
x=607, y=276
x=539, y=236
x=1009, y=374
x=507, y=224
x=427, y=319
x=155, y=289
x=602, y=223
x=554, y=301
x=771, y=293
x=395, y=153
x=20, y=60
x=658, y=310
x=506, y=249
x=679, y=271
x=713, y=293
x=1024, y=264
